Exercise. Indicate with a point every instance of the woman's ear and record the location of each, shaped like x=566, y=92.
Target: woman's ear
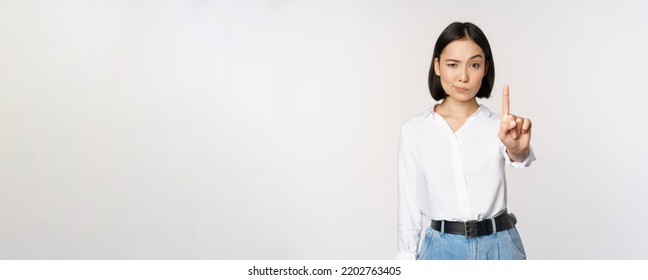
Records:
x=436, y=67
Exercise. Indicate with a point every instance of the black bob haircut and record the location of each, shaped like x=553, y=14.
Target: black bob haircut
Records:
x=457, y=31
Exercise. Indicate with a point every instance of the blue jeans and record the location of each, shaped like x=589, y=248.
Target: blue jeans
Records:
x=503, y=245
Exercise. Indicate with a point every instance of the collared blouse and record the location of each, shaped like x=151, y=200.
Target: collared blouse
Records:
x=446, y=175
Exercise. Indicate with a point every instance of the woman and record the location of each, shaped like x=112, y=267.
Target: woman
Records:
x=452, y=158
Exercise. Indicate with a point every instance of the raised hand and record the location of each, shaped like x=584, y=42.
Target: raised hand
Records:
x=515, y=132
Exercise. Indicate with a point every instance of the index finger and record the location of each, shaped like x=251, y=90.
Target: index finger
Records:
x=505, y=100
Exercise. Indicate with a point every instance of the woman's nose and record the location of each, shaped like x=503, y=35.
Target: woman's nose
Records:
x=463, y=76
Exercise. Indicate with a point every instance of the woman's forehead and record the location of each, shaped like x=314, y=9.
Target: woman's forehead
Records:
x=462, y=49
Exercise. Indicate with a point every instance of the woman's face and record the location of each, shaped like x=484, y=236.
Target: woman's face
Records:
x=461, y=66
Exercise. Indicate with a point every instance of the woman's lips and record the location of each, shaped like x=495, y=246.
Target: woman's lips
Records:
x=460, y=89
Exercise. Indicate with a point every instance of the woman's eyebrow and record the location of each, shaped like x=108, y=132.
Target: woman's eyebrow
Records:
x=473, y=57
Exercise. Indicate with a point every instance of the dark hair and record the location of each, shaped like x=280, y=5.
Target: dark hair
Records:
x=456, y=31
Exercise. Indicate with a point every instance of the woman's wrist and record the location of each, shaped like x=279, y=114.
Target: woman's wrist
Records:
x=518, y=156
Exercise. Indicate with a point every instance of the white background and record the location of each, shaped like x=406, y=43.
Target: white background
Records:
x=269, y=129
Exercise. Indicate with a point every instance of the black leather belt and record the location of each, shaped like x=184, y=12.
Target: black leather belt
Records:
x=503, y=222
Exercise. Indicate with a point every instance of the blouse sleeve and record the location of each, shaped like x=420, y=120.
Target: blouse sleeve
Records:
x=409, y=215
x=525, y=163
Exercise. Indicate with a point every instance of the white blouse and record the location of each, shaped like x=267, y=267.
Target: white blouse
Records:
x=446, y=175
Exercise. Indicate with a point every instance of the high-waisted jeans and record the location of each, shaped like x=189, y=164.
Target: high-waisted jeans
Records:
x=503, y=245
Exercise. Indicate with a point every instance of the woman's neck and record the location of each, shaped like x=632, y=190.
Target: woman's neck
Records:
x=457, y=109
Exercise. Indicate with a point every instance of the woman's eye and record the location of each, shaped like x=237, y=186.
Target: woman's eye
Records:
x=452, y=65
x=475, y=65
